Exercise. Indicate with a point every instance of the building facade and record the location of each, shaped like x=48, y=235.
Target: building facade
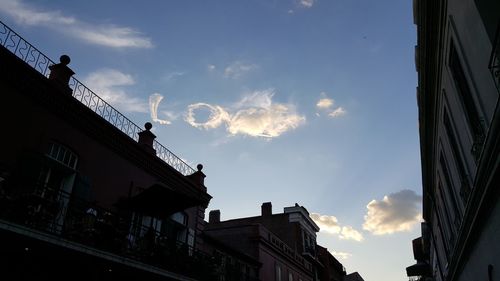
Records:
x=85, y=194
x=458, y=65
x=284, y=244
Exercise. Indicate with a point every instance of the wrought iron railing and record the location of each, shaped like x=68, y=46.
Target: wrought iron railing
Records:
x=16, y=44
x=63, y=215
x=288, y=251
x=494, y=64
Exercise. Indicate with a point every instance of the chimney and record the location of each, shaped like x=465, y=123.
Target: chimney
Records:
x=267, y=209
x=146, y=138
x=214, y=216
x=60, y=73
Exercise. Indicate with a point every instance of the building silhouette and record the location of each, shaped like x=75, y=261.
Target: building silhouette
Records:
x=86, y=194
x=458, y=65
x=284, y=243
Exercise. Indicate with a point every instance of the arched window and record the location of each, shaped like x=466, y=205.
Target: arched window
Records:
x=62, y=155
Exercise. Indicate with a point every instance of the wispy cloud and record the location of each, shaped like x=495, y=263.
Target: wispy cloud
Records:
x=396, y=212
x=330, y=224
x=109, y=84
x=108, y=35
x=337, y=112
x=254, y=115
x=306, y=3
x=174, y=75
x=211, y=67
x=326, y=104
x=237, y=69
x=154, y=102
x=341, y=255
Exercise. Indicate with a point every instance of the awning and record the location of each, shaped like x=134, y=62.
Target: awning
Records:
x=160, y=201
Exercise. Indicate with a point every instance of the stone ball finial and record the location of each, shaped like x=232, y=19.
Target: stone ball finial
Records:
x=199, y=167
x=148, y=126
x=64, y=59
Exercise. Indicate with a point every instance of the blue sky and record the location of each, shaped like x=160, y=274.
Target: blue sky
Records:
x=284, y=101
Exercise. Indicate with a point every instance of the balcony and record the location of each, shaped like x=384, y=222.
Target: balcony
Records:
x=289, y=252
x=419, y=269
x=78, y=223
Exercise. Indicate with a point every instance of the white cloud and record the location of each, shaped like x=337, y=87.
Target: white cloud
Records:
x=265, y=122
x=338, y=112
x=154, y=102
x=396, y=212
x=325, y=103
x=330, y=224
x=307, y=3
x=211, y=67
x=109, y=83
x=218, y=115
x=111, y=36
x=259, y=116
x=104, y=35
x=25, y=14
x=254, y=115
x=348, y=232
x=237, y=69
x=341, y=255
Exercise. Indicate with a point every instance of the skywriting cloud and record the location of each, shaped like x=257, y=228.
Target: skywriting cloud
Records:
x=330, y=224
x=254, y=115
x=217, y=117
x=154, y=102
x=396, y=212
x=108, y=35
x=109, y=83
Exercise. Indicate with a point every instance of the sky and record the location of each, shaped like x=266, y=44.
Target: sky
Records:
x=283, y=101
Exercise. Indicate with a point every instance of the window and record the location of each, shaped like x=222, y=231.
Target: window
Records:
x=62, y=155
x=444, y=219
x=290, y=276
x=175, y=227
x=55, y=183
x=464, y=180
x=450, y=189
x=278, y=272
x=465, y=95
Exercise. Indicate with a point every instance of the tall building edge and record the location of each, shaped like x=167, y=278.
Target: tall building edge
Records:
x=457, y=58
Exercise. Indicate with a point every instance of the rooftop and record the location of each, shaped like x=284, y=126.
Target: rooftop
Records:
x=13, y=42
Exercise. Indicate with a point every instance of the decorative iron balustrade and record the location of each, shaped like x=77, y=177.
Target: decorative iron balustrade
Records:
x=13, y=42
x=66, y=216
x=288, y=251
x=494, y=64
